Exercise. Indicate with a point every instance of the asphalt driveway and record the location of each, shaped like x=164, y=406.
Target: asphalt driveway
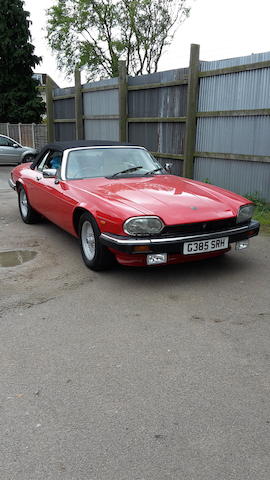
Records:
x=152, y=374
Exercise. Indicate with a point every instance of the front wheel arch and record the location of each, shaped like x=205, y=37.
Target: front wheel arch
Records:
x=28, y=214
x=20, y=184
x=29, y=157
x=95, y=255
x=78, y=212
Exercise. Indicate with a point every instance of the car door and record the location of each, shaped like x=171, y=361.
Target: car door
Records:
x=51, y=197
x=9, y=153
x=32, y=184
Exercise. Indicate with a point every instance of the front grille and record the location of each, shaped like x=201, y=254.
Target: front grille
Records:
x=199, y=228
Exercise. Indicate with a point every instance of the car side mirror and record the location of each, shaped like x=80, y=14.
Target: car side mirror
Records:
x=49, y=172
x=168, y=167
x=15, y=145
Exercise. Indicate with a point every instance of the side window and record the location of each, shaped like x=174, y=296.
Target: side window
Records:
x=5, y=142
x=54, y=160
x=11, y=142
x=43, y=161
x=51, y=159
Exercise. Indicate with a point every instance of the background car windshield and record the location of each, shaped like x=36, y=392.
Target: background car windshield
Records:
x=105, y=162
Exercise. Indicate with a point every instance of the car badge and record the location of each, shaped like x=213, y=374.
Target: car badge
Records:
x=194, y=208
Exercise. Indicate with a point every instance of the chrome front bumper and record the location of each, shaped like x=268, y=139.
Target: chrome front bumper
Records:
x=175, y=244
x=12, y=184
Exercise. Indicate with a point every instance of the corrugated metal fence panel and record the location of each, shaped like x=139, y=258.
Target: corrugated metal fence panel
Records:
x=164, y=102
x=64, y=108
x=103, y=102
x=101, y=129
x=237, y=91
x=64, y=131
x=106, y=82
x=239, y=176
x=158, y=102
x=159, y=77
x=246, y=135
x=232, y=62
x=57, y=92
x=158, y=137
x=237, y=135
x=176, y=166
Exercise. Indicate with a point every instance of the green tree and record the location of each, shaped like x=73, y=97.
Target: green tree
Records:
x=94, y=34
x=19, y=99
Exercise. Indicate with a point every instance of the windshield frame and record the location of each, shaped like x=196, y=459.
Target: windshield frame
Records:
x=95, y=147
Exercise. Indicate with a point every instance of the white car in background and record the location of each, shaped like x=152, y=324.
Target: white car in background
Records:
x=11, y=152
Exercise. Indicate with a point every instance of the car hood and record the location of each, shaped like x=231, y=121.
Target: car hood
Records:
x=172, y=198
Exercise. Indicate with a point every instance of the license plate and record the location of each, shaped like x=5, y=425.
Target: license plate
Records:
x=204, y=246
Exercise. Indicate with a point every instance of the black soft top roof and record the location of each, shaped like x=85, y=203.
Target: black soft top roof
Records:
x=61, y=146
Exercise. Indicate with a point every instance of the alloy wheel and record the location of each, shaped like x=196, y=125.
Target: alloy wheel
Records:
x=23, y=203
x=88, y=240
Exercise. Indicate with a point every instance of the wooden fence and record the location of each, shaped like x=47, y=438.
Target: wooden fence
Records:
x=31, y=135
x=162, y=112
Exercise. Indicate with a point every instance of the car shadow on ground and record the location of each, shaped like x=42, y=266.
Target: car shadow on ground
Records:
x=226, y=265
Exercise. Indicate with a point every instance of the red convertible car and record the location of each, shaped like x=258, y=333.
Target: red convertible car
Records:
x=123, y=204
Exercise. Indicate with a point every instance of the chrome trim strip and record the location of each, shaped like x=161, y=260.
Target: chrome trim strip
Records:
x=156, y=241
x=12, y=184
x=128, y=241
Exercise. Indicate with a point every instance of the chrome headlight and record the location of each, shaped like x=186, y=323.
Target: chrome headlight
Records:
x=143, y=226
x=245, y=213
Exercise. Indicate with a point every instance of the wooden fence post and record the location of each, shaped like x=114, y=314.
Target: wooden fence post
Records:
x=123, y=93
x=49, y=107
x=192, y=98
x=33, y=136
x=20, y=132
x=78, y=106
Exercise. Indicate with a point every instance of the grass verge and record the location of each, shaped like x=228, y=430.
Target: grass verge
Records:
x=262, y=212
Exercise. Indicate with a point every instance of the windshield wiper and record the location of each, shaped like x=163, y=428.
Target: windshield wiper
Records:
x=153, y=171
x=132, y=169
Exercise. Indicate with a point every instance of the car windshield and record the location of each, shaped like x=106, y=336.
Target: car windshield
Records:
x=110, y=162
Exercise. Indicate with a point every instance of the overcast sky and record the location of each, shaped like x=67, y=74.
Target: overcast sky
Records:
x=222, y=28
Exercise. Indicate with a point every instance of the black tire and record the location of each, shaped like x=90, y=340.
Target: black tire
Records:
x=28, y=214
x=28, y=158
x=95, y=255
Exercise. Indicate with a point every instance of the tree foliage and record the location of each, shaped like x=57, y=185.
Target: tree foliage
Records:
x=95, y=34
x=19, y=100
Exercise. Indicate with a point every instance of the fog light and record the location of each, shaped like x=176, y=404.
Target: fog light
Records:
x=241, y=244
x=156, y=258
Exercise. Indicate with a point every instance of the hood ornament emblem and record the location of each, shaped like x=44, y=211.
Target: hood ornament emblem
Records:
x=194, y=208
